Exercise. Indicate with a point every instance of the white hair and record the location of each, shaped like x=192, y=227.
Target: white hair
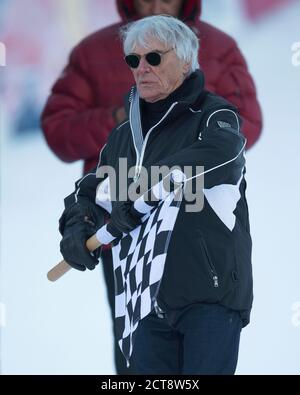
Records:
x=166, y=29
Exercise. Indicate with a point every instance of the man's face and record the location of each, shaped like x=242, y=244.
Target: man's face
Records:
x=157, y=82
x=155, y=7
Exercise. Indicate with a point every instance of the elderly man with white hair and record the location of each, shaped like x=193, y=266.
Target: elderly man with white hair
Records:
x=205, y=293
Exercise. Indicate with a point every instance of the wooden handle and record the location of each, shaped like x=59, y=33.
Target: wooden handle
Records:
x=59, y=270
x=63, y=267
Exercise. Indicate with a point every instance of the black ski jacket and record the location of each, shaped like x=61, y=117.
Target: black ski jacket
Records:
x=209, y=255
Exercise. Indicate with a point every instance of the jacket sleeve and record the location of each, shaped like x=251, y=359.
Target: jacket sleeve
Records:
x=236, y=85
x=86, y=187
x=74, y=127
x=218, y=151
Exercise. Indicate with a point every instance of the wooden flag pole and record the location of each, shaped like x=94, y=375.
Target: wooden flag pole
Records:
x=176, y=176
x=63, y=267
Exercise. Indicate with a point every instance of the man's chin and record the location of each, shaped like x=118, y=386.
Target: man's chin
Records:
x=147, y=95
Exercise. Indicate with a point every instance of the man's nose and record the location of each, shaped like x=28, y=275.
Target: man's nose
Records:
x=143, y=66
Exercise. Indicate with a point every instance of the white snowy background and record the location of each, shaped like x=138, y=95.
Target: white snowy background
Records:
x=65, y=327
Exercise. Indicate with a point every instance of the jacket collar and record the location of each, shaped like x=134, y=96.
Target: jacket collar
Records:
x=193, y=92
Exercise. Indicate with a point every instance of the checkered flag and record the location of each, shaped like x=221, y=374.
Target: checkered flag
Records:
x=138, y=259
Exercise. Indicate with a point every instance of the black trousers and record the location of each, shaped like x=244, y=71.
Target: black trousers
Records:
x=201, y=339
x=107, y=264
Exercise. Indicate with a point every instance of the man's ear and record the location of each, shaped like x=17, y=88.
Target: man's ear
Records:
x=186, y=68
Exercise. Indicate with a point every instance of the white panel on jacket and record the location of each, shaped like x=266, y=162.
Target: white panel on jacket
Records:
x=103, y=195
x=223, y=200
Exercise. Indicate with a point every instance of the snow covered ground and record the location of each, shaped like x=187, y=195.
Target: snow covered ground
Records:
x=65, y=327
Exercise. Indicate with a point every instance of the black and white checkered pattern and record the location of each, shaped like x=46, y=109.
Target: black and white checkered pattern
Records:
x=139, y=260
x=139, y=257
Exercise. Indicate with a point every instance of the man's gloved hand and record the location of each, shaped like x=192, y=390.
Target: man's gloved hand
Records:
x=77, y=224
x=123, y=218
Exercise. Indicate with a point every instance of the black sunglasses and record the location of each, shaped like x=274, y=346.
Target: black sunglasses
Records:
x=153, y=58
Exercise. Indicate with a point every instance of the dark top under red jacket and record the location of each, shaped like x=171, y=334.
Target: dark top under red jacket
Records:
x=77, y=118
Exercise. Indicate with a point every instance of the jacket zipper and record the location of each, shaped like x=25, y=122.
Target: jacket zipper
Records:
x=211, y=265
x=140, y=157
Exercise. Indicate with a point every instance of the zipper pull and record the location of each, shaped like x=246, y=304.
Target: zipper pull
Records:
x=216, y=281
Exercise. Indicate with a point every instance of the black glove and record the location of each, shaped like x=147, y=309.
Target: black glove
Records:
x=77, y=223
x=123, y=216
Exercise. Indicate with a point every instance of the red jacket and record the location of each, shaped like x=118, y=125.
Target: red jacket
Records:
x=77, y=118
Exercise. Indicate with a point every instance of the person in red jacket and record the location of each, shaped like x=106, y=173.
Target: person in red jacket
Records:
x=86, y=101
